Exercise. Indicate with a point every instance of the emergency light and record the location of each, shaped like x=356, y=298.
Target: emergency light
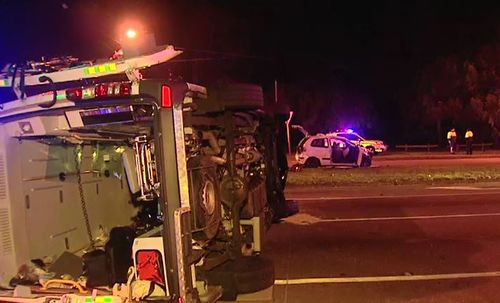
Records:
x=114, y=89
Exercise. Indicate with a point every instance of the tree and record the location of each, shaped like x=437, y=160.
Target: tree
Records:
x=452, y=88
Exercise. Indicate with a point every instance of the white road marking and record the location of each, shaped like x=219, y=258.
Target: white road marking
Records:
x=307, y=219
x=389, y=196
x=387, y=278
x=412, y=217
x=463, y=188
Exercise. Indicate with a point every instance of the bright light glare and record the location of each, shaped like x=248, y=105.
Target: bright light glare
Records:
x=349, y=131
x=131, y=33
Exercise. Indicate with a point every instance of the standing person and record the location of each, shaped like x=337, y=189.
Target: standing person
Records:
x=469, y=135
x=452, y=140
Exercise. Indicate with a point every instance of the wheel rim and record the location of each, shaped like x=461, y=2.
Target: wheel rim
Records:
x=208, y=197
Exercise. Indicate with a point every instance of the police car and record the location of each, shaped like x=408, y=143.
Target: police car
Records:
x=330, y=150
x=374, y=146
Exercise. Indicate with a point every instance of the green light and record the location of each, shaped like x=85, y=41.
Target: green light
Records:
x=103, y=299
x=61, y=96
x=4, y=82
x=87, y=94
x=89, y=300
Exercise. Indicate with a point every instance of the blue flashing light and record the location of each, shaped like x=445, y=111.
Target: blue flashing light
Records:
x=349, y=131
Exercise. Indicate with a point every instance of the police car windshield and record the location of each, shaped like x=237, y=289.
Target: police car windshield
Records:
x=351, y=136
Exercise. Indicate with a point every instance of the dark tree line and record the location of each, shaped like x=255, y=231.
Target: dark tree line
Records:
x=462, y=91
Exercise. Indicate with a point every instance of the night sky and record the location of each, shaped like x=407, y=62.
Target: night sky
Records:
x=375, y=47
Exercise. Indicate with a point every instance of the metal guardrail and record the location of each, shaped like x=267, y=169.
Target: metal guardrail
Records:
x=481, y=145
x=429, y=147
x=417, y=146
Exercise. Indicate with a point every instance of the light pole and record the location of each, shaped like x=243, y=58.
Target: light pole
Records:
x=288, y=133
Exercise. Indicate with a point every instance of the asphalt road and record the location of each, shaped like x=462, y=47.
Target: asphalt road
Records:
x=394, y=244
x=444, y=161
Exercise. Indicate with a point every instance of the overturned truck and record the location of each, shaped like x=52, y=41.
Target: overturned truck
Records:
x=144, y=180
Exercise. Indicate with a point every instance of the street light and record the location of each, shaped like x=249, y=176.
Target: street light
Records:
x=134, y=38
x=131, y=33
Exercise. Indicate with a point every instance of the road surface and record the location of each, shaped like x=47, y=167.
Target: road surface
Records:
x=394, y=244
x=444, y=161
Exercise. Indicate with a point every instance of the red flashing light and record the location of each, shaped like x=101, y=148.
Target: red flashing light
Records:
x=74, y=94
x=125, y=89
x=101, y=90
x=113, y=89
x=166, y=96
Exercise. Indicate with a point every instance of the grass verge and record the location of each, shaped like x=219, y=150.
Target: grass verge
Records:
x=394, y=175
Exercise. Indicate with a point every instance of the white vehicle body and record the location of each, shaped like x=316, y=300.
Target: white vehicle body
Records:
x=80, y=160
x=316, y=151
x=40, y=197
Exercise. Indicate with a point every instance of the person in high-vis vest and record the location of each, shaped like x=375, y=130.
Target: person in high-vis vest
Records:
x=469, y=136
x=452, y=140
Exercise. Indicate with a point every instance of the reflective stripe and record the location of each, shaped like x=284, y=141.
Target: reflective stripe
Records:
x=100, y=69
x=4, y=83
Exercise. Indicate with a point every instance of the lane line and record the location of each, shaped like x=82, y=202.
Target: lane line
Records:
x=411, y=217
x=390, y=196
x=463, y=188
x=387, y=278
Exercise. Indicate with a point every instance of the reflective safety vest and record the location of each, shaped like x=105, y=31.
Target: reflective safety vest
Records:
x=469, y=134
x=451, y=134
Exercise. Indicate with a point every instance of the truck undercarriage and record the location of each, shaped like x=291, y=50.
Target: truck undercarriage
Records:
x=196, y=175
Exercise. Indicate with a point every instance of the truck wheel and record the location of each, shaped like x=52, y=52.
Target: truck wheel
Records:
x=312, y=162
x=205, y=195
x=242, y=275
x=236, y=96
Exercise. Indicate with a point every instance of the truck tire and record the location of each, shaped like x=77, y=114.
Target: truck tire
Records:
x=205, y=195
x=241, y=96
x=242, y=275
